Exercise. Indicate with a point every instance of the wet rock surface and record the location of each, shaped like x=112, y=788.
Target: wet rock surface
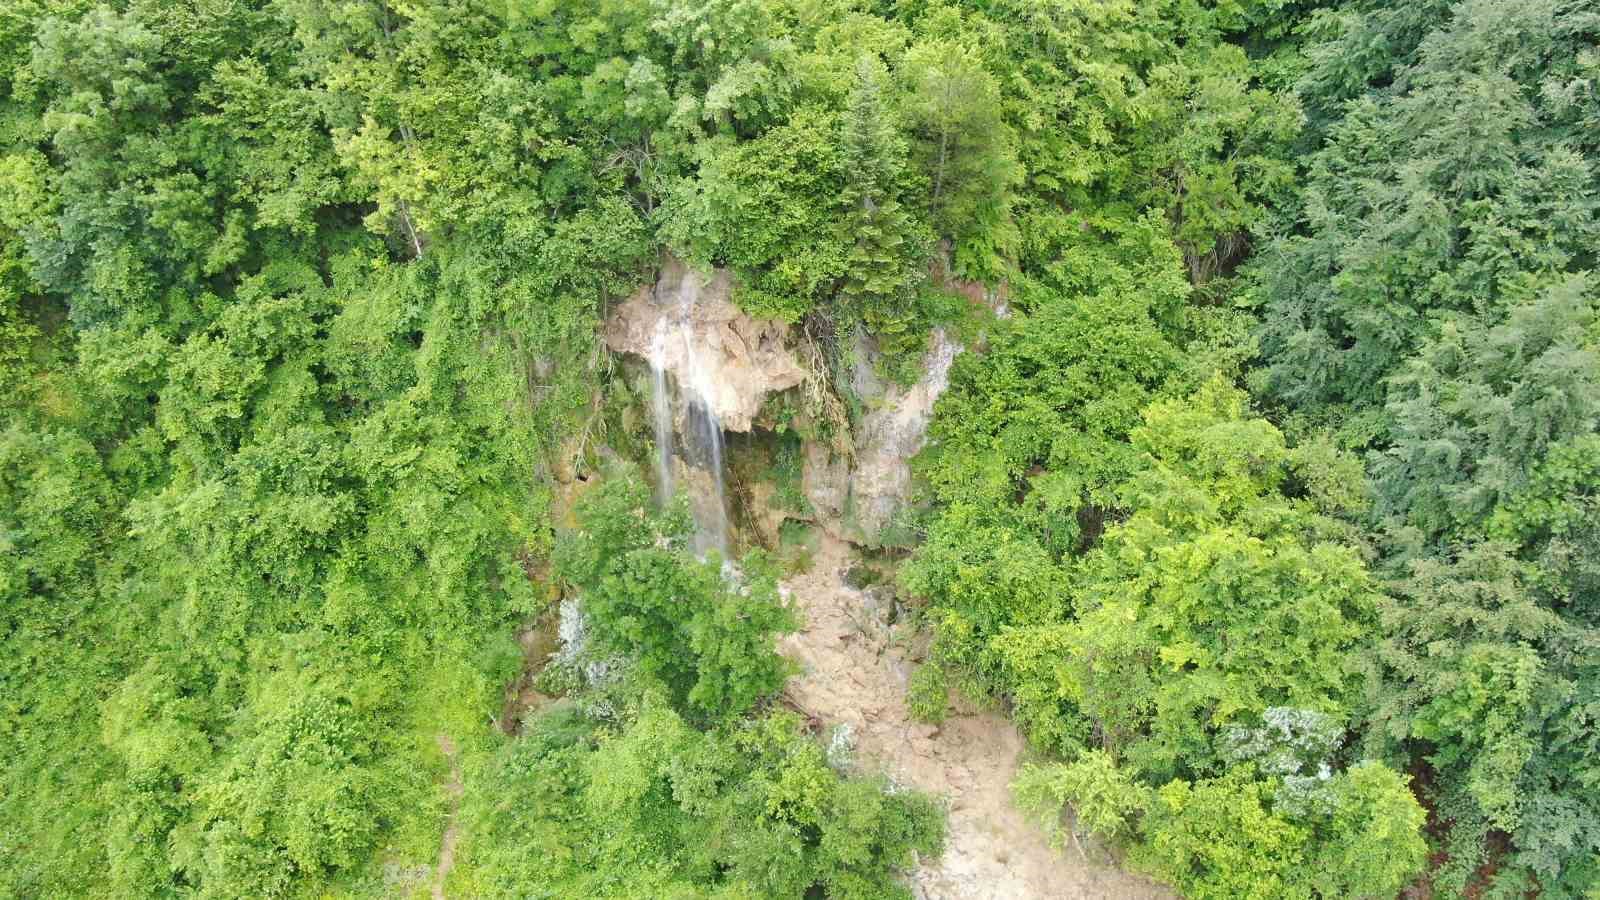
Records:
x=733, y=361
x=857, y=499
x=700, y=345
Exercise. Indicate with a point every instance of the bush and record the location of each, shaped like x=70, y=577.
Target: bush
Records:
x=707, y=639
x=927, y=695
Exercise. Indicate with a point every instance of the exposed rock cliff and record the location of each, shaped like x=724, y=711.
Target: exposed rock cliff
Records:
x=857, y=500
x=687, y=328
x=731, y=360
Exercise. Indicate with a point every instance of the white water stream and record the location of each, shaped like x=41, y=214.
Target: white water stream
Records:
x=661, y=411
x=701, y=444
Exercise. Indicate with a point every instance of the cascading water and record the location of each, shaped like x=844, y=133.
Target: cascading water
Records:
x=661, y=410
x=702, y=436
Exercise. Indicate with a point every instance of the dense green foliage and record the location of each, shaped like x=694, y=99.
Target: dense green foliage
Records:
x=661, y=810
x=1431, y=298
x=1411, y=555
x=1267, y=500
x=628, y=799
x=1208, y=648
x=706, y=640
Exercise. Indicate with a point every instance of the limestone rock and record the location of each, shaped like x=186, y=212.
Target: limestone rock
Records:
x=893, y=433
x=730, y=360
x=825, y=479
x=765, y=515
x=856, y=502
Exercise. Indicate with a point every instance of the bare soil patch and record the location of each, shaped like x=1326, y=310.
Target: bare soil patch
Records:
x=452, y=829
x=853, y=675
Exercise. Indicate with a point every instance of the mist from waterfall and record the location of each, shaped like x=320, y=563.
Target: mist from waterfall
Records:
x=700, y=441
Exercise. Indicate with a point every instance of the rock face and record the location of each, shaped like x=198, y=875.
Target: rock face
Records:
x=893, y=433
x=857, y=499
x=690, y=332
x=686, y=325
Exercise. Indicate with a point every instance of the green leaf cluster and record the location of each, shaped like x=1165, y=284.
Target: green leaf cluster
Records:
x=707, y=638
x=1429, y=295
x=300, y=379
x=655, y=808
x=1196, y=666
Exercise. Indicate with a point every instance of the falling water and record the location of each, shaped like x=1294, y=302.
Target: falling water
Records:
x=661, y=411
x=702, y=444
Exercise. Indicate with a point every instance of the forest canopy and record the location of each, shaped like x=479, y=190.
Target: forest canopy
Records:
x=1263, y=498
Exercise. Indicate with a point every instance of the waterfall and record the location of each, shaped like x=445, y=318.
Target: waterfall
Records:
x=661, y=411
x=701, y=446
